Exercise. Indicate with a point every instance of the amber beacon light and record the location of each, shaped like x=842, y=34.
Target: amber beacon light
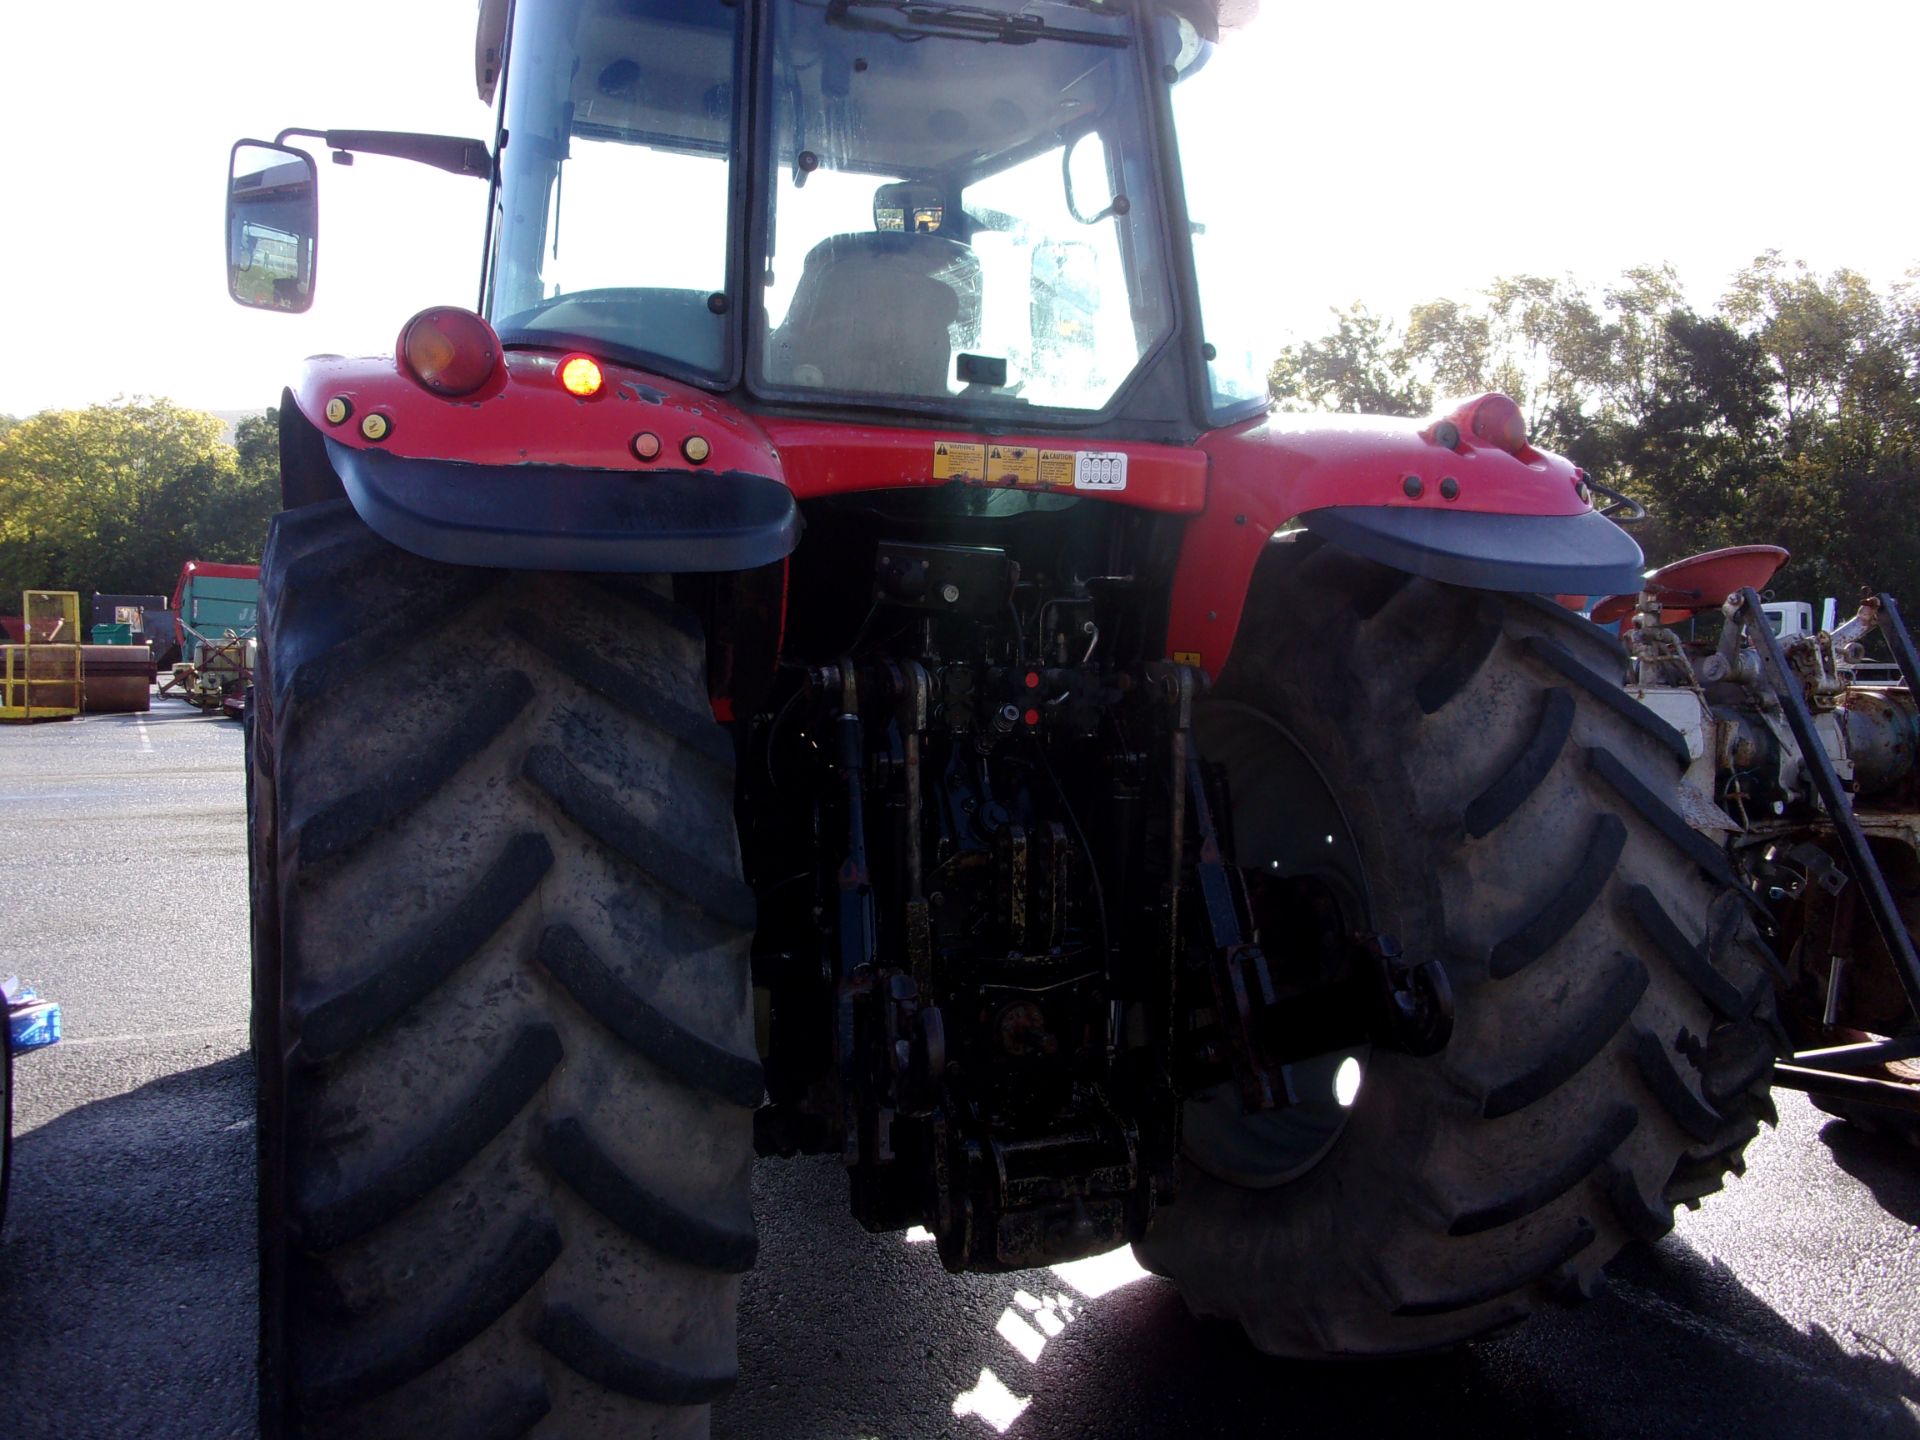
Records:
x=580, y=375
x=448, y=350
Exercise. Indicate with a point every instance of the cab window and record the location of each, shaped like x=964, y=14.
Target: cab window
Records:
x=961, y=213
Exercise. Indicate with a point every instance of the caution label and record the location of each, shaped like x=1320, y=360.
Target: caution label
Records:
x=1056, y=468
x=959, y=462
x=1100, y=470
x=1013, y=465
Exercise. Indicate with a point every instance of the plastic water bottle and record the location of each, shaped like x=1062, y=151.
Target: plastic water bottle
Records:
x=32, y=1024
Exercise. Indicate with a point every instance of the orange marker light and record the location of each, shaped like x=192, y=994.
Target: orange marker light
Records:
x=580, y=375
x=1498, y=421
x=448, y=350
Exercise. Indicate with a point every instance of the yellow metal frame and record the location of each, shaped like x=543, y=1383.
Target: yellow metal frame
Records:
x=42, y=679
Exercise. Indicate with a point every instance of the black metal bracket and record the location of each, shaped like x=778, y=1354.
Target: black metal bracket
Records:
x=1785, y=882
x=1417, y=999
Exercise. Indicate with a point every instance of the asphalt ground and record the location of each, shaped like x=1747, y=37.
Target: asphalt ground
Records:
x=1784, y=1307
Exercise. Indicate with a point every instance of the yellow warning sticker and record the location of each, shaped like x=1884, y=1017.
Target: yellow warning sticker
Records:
x=1056, y=468
x=958, y=462
x=1013, y=465
x=1186, y=657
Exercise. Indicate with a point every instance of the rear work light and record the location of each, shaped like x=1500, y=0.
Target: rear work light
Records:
x=448, y=350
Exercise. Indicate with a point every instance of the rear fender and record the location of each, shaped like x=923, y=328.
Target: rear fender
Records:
x=1380, y=487
x=457, y=481
x=645, y=477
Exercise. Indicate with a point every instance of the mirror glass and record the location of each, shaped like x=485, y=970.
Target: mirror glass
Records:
x=273, y=221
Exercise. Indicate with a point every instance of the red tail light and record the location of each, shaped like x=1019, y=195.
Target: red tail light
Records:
x=449, y=350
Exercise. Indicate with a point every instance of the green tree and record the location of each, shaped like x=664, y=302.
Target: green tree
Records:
x=1843, y=370
x=1449, y=346
x=115, y=497
x=1550, y=351
x=1790, y=415
x=1700, y=445
x=1360, y=368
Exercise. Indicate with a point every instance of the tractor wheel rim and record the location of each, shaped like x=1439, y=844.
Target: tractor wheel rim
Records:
x=1287, y=823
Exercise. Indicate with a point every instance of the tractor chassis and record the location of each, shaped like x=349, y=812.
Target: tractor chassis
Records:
x=1112, y=1000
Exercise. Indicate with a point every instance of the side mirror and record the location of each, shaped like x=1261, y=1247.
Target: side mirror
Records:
x=273, y=226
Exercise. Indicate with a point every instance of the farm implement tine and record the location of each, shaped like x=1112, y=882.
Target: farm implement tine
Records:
x=1854, y=1089
x=1864, y=1055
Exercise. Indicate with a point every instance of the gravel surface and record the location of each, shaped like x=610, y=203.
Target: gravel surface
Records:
x=1781, y=1308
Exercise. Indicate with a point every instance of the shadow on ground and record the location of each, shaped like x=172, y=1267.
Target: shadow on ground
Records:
x=127, y=1284
x=127, y=1265
x=847, y=1334
x=1886, y=1164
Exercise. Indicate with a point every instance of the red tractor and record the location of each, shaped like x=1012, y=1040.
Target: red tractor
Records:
x=834, y=658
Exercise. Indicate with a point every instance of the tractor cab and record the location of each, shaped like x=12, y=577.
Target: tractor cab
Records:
x=955, y=207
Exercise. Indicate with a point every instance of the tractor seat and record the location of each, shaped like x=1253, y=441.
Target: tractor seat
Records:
x=875, y=312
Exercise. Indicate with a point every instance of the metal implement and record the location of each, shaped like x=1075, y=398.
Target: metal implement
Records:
x=1805, y=772
x=1788, y=688
x=1851, y=1089
x=42, y=678
x=117, y=679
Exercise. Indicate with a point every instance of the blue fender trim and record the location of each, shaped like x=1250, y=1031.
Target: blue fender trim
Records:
x=550, y=517
x=1585, y=554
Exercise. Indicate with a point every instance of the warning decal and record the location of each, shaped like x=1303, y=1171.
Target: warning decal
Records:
x=1013, y=465
x=1056, y=468
x=958, y=462
x=1100, y=470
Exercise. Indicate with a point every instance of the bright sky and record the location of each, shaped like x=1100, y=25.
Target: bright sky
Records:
x=1405, y=151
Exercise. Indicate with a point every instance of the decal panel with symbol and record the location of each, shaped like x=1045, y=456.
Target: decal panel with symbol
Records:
x=1013, y=465
x=1100, y=470
x=955, y=461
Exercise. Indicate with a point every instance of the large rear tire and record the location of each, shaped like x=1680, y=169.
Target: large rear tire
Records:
x=501, y=1016
x=1512, y=812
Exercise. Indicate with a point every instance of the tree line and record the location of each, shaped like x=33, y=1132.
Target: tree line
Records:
x=1787, y=414
x=117, y=497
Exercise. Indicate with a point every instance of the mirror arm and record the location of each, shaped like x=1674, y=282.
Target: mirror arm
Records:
x=443, y=152
x=1118, y=205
